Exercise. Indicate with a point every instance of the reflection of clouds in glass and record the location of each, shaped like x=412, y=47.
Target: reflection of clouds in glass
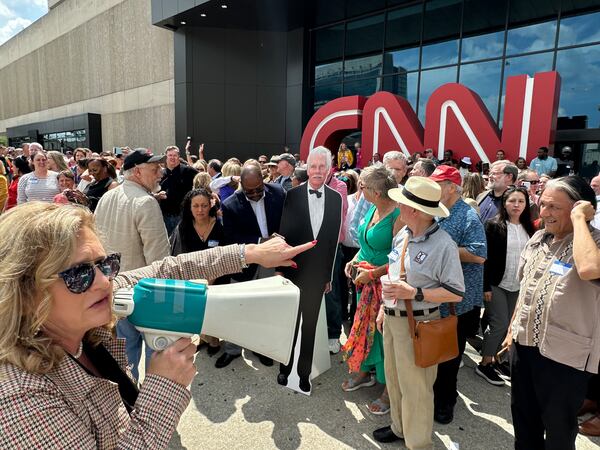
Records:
x=482, y=47
x=405, y=59
x=529, y=65
x=484, y=79
x=579, y=69
x=579, y=29
x=430, y=81
x=440, y=54
x=531, y=38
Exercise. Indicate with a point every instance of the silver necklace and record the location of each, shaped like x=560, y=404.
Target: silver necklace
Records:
x=79, y=351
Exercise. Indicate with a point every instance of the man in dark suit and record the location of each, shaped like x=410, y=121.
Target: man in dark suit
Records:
x=252, y=213
x=312, y=211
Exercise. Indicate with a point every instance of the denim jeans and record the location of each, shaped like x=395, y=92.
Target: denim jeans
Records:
x=133, y=345
x=170, y=223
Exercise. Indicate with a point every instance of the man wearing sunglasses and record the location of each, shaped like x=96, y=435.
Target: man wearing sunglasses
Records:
x=530, y=180
x=251, y=214
x=130, y=221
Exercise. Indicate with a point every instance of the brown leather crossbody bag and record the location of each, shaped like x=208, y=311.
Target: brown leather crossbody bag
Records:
x=434, y=341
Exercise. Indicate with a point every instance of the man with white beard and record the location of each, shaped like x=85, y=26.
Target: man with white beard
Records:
x=130, y=222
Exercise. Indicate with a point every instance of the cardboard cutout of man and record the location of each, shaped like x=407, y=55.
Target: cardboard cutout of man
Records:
x=311, y=211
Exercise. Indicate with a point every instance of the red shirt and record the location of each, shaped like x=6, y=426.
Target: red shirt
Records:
x=12, y=193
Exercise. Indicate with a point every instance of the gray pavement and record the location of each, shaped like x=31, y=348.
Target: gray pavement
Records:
x=243, y=407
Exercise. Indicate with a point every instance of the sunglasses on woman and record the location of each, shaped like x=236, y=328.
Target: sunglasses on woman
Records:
x=80, y=278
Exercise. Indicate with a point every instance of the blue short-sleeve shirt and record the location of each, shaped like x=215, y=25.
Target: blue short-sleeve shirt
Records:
x=466, y=230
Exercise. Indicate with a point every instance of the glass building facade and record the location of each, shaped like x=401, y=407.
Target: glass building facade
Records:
x=411, y=48
x=281, y=66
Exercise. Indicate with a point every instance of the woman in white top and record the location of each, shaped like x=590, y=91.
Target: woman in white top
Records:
x=39, y=185
x=507, y=234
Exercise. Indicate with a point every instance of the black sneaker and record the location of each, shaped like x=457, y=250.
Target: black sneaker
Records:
x=503, y=369
x=489, y=374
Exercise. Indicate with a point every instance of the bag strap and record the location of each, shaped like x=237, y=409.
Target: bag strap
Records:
x=408, y=303
x=412, y=324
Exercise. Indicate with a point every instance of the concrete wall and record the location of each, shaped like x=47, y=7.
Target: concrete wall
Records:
x=115, y=63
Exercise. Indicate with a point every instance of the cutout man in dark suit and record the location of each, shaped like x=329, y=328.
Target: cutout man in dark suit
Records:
x=312, y=211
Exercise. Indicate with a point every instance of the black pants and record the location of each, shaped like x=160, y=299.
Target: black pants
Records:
x=348, y=294
x=310, y=305
x=444, y=388
x=545, y=397
x=593, y=390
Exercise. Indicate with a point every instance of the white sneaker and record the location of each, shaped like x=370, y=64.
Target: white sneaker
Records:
x=334, y=346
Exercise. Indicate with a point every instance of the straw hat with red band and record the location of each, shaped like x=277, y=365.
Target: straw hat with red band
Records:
x=421, y=193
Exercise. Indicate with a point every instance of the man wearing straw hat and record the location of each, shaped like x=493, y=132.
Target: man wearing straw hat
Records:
x=433, y=276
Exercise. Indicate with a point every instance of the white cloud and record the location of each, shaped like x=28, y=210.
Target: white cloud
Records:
x=5, y=11
x=12, y=27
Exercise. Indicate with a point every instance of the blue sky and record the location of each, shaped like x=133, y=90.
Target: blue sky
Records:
x=15, y=15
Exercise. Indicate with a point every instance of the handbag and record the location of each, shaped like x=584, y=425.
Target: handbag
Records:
x=434, y=341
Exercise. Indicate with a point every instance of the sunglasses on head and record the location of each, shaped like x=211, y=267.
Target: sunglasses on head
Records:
x=80, y=278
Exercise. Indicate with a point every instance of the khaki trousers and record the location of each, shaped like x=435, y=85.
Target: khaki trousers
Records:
x=410, y=387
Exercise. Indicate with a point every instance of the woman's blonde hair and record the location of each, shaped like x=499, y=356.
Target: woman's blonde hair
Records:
x=38, y=242
x=231, y=168
x=200, y=165
x=202, y=180
x=58, y=159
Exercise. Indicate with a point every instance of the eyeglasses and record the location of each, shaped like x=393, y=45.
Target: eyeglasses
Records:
x=533, y=181
x=256, y=191
x=80, y=278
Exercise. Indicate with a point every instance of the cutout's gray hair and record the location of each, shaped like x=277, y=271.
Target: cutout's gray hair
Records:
x=320, y=151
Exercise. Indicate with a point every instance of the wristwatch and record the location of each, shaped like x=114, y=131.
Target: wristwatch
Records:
x=419, y=297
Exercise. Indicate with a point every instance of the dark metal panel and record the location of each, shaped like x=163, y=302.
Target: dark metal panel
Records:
x=270, y=114
x=208, y=106
x=240, y=113
x=157, y=12
x=169, y=8
x=586, y=135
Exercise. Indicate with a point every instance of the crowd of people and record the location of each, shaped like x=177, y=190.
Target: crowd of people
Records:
x=511, y=249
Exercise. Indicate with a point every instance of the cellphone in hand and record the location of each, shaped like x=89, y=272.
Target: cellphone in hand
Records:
x=353, y=272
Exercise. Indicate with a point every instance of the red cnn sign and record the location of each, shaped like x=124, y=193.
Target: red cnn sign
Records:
x=455, y=119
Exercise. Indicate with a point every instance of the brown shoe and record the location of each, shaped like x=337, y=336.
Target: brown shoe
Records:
x=591, y=427
x=589, y=406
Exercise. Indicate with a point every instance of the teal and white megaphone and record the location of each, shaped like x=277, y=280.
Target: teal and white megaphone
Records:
x=259, y=315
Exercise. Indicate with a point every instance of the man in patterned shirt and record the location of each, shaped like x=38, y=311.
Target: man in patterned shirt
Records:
x=555, y=324
x=466, y=230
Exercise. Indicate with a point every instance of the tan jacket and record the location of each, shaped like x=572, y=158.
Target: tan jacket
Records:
x=129, y=221
x=68, y=408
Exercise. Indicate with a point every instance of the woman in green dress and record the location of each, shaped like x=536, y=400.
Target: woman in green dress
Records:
x=364, y=349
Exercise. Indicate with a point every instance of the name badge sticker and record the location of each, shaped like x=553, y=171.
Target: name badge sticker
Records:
x=560, y=268
x=394, y=255
x=212, y=243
